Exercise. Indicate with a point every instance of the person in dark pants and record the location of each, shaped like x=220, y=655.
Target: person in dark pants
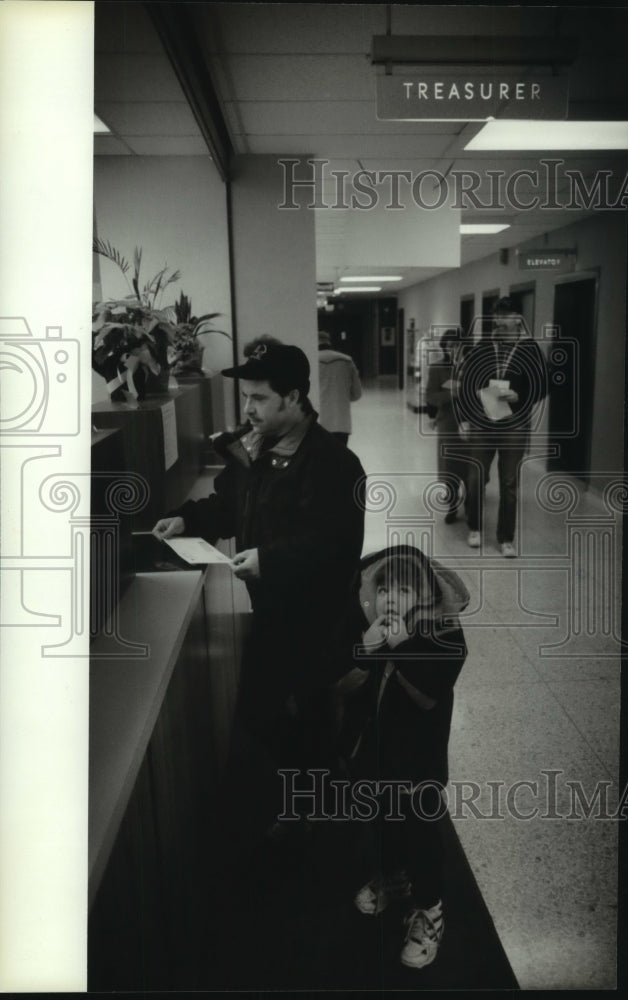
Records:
x=451, y=467
x=398, y=703
x=500, y=381
x=291, y=496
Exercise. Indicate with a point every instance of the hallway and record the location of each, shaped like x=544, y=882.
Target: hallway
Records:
x=537, y=702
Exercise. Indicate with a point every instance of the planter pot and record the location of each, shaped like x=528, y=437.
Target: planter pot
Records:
x=154, y=385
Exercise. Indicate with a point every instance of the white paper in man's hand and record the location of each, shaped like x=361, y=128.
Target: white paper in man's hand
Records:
x=197, y=551
x=494, y=407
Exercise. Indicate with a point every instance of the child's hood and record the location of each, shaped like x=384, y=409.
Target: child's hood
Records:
x=454, y=595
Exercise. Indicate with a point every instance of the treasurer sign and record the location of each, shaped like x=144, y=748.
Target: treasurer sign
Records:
x=474, y=98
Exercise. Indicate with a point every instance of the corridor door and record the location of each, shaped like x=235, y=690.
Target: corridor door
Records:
x=572, y=375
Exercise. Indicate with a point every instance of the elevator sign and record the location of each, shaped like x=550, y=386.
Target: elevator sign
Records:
x=544, y=260
x=457, y=97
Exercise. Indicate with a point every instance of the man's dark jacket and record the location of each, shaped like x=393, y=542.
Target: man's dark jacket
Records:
x=526, y=371
x=304, y=513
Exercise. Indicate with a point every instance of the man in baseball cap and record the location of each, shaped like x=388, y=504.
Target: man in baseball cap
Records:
x=290, y=494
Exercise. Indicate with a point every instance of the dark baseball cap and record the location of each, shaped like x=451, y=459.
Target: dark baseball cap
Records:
x=284, y=365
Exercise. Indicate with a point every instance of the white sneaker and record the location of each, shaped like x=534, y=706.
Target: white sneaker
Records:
x=474, y=539
x=375, y=896
x=424, y=930
x=508, y=550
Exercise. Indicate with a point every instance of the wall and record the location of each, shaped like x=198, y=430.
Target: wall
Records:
x=174, y=207
x=601, y=245
x=275, y=262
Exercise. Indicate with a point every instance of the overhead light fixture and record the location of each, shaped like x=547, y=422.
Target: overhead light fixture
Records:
x=378, y=277
x=99, y=126
x=483, y=228
x=359, y=288
x=550, y=135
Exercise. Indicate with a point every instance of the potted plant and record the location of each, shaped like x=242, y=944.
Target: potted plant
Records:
x=133, y=338
x=190, y=338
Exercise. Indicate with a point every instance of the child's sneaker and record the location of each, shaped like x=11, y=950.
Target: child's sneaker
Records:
x=424, y=930
x=375, y=896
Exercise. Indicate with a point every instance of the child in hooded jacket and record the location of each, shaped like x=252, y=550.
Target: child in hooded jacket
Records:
x=398, y=702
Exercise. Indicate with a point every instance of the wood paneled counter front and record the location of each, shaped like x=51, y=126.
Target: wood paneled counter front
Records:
x=163, y=442
x=160, y=722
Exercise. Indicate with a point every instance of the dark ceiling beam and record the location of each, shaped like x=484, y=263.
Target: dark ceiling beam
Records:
x=175, y=26
x=478, y=50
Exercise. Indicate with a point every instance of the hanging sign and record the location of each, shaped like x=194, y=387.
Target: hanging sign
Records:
x=544, y=260
x=457, y=97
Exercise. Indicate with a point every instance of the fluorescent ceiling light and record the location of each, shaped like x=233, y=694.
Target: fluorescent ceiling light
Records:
x=361, y=288
x=546, y=135
x=482, y=228
x=99, y=126
x=372, y=277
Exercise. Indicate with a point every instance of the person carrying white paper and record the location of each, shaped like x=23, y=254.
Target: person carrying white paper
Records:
x=290, y=495
x=500, y=381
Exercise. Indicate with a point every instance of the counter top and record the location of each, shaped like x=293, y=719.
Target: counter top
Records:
x=126, y=695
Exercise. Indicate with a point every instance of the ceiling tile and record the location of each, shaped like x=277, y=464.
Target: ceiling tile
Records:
x=354, y=147
x=165, y=118
x=124, y=27
x=110, y=145
x=295, y=27
x=300, y=78
x=326, y=118
x=184, y=145
x=135, y=77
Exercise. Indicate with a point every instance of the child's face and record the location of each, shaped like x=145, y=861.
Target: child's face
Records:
x=394, y=598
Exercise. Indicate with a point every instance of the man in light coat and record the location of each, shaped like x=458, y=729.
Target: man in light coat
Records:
x=339, y=384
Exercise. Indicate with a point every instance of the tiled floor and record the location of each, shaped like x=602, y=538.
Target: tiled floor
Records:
x=539, y=694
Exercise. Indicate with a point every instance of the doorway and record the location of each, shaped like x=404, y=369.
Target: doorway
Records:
x=489, y=301
x=572, y=376
x=348, y=331
x=522, y=298
x=401, y=348
x=467, y=312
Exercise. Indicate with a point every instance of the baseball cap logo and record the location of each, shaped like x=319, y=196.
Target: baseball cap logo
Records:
x=259, y=352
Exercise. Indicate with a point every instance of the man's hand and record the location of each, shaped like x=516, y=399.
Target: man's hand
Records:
x=168, y=527
x=510, y=396
x=246, y=564
x=464, y=430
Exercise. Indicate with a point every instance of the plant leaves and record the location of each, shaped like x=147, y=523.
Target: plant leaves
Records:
x=137, y=261
x=203, y=328
x=105, y=249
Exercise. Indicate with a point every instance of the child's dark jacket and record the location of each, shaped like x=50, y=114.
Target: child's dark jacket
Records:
x=401, y=730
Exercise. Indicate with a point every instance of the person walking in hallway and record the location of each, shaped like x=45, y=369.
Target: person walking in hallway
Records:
x=339, y=384
x=439, y=391
x=500, y=381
